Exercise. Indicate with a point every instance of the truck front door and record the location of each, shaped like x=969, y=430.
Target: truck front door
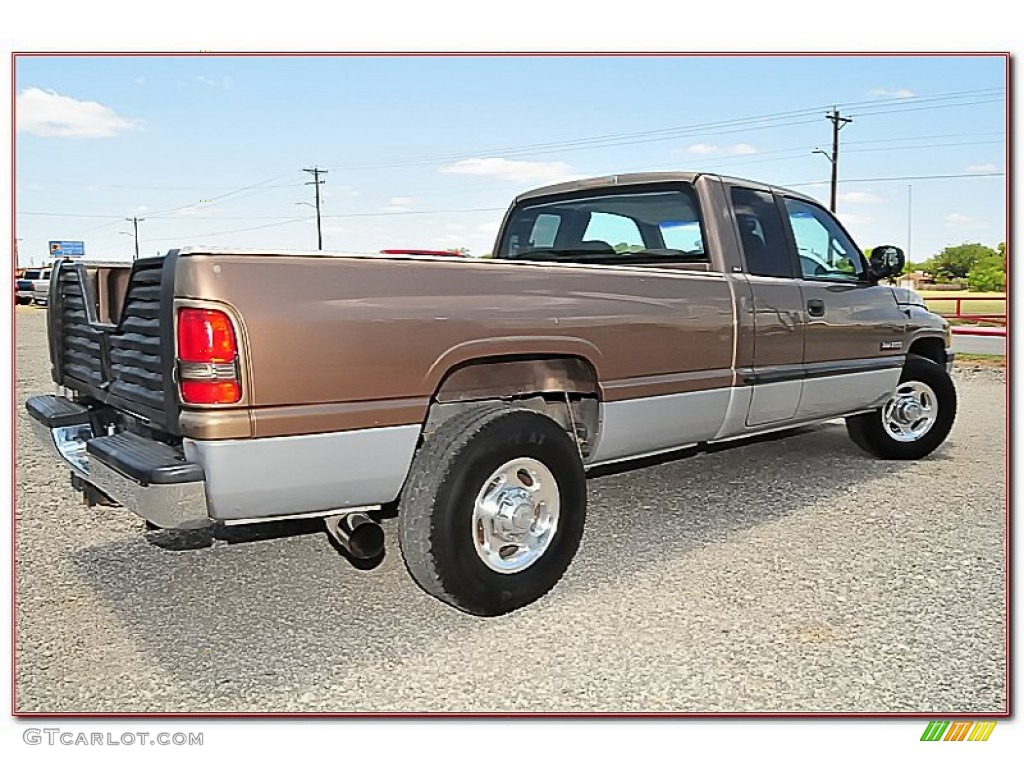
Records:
x=854, y=329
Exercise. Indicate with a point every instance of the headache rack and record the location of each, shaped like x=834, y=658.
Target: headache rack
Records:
x=117, y=352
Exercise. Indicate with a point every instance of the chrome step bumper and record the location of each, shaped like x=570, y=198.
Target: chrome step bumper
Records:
x=148, y=480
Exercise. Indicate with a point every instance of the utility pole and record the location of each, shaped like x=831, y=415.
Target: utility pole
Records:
x=910, y=216
x=316, y=182
x=135, y=223
x=837, y=125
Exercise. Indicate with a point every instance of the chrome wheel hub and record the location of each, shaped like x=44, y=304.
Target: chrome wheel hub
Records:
x=515, y=515
x=911, y=411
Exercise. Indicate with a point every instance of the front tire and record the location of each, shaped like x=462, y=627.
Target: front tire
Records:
x=494, y=509
x=916, y=419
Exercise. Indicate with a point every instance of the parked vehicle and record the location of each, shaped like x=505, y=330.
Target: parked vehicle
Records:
x=41, y=287
x=33, y=286
x=23, y=288
x=419, y=252
x=619, y=318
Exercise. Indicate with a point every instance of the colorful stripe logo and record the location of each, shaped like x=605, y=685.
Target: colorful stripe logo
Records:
x=958, y=730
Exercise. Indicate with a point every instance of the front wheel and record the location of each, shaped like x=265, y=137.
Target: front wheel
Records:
x=494, y=508
x=915, y=420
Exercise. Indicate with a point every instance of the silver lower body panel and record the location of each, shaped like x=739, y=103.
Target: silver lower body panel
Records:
x=282, y=476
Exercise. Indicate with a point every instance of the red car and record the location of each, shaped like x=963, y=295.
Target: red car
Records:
x=420, y=252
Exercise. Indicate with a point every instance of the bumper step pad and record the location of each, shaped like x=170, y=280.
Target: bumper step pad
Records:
x=53, y=411
x=145, y=461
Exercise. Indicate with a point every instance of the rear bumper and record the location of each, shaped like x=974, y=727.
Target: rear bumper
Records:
x=229, y=481
x=142, y=475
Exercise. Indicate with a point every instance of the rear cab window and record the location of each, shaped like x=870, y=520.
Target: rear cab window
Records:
x=646, y=227
x=766, y=252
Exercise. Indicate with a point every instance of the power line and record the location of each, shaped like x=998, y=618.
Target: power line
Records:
x=902, y=178
x=754, y=122
x=794, y=152
x=179, y=238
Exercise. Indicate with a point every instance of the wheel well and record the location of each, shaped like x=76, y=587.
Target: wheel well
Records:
x=563, y=388
x=930, y=347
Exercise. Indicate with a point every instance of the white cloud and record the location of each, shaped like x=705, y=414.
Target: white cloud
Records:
x=226, y=82
x=702, y=149
x=859, y=198
x=982, y=168
x=713, y=149
x=742, y=149
x=964, y=221
x=399, y=204
x=338, y=191
x=855, y=219
x=47, y=113
x=891, y=93
x=199, y=211
x=139, y=80
x=511, y=170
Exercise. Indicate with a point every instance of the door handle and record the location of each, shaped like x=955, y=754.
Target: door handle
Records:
x=816, y=308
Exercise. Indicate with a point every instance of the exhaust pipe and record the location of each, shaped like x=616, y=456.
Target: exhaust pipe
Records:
x=357, y=534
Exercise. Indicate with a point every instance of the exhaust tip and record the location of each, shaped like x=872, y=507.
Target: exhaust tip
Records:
x=357, y=534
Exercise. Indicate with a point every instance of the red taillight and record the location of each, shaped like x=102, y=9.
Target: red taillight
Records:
x=207, y=357
x=205, y=336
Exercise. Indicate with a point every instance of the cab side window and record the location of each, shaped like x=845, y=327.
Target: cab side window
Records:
x=826, y=252
x=765, y=250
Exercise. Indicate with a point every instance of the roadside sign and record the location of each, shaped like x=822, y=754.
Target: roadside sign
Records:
x=61, y=248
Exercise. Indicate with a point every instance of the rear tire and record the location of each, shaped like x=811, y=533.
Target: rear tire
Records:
x=915, y=421
x=493, y=511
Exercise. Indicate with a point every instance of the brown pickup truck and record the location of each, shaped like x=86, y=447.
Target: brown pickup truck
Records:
x=620, y=317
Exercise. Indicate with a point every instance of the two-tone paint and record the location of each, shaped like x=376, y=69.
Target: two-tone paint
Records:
x=343, y=357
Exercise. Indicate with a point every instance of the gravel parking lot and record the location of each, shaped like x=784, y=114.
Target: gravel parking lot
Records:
x=794, y=574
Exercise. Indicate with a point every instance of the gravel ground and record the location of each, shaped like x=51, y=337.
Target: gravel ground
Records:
x=794, y=574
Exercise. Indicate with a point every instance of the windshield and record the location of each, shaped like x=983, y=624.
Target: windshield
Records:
x=647, y=227
x=32, y=274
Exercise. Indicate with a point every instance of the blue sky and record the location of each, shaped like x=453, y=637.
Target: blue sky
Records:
x=428, y=152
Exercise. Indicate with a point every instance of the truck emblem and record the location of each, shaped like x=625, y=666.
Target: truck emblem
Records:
x=891, y=345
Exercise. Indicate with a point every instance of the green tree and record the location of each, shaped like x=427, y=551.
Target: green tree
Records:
x=955, y=262
x=987, y=274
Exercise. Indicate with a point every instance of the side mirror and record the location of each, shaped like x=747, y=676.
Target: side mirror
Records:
x=886, y=261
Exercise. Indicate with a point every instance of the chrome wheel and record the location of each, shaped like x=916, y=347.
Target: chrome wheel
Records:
x=515, y=515
x=911, y=412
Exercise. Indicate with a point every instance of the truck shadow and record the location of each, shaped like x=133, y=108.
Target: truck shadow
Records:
x=274, y=606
